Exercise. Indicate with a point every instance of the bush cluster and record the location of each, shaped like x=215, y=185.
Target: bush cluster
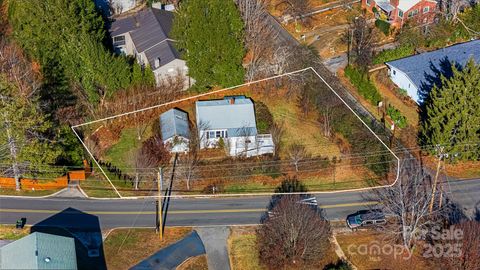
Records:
x=383, y=26
x=364, y=86
x=393, y=54
x=396, y=116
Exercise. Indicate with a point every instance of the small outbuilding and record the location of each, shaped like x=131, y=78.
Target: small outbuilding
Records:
x=175, y=131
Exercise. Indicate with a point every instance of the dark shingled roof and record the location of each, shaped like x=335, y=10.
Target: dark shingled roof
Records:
x=150, y=31
x=418, y=67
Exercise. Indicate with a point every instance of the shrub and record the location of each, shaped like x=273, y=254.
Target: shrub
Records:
x=392, y=54
x=364, y=86
x=396, y=116
x=263, y=116
x=383, y=26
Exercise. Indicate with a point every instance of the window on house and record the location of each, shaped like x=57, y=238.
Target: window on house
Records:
x=157, y=62
x=210, y=134
x=218, y=134
x=369, y=2
x=400, y=13
x=426, y=9
x=119, y=40
x=394, y=72
x=413, y=13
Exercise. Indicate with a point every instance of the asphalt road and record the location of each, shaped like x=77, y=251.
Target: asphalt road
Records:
x=198, y=211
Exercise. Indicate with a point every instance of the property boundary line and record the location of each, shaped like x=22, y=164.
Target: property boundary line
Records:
x=220, y=91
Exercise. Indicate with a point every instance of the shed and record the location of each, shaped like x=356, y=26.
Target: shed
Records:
x=175, y=130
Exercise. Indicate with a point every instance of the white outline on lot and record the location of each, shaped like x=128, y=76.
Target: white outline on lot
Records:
x=220, y=91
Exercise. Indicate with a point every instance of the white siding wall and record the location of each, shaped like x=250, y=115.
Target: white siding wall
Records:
x=402, y=81
x=172, y=69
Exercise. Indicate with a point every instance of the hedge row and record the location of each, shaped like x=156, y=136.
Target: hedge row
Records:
x=364, y=86
x=393, y=54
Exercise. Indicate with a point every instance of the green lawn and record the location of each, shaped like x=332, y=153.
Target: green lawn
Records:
x=36, y=193
x=9, y=232
x=121, y=153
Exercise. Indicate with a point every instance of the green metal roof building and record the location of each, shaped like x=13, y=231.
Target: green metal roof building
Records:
x=39, y=251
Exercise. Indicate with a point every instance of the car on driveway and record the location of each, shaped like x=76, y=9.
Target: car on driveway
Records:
x=366, y=218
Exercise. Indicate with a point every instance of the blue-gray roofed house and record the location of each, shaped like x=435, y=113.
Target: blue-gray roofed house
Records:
x=231, y=120
x=146, y=36
x=175, y=130
x=416, y=74
x=39, y=251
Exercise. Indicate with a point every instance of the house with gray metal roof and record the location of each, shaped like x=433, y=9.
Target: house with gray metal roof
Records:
x=39, y=251
x=416, y=74
x=175, y=131
x=146, y=35
x=230, y=122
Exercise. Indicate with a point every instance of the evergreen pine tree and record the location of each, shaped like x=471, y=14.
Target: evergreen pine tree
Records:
x=24, y=142
x=209, y=34
x=452, y=115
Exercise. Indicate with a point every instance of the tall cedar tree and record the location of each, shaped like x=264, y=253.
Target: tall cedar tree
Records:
x=24, y=145
x=70, y=34
x=209, y=34
x=452, y=114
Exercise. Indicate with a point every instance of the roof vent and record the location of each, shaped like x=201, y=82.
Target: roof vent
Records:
x=47, y=259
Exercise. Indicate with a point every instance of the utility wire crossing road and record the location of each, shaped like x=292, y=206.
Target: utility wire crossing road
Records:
x=200, y=211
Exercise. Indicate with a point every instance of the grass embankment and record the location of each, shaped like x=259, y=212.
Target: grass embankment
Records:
x=243, y=249
x=9, y=232
x=33, y=193
x=364, y=250
x=244, y=254
x=126, y=247
x=195, y=263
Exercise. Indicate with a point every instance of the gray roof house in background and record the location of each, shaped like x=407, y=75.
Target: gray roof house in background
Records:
x=231, y=119
x=146, y=35
x=39, y=251
x=175, y=131
x=415, y=73
x=115, y=6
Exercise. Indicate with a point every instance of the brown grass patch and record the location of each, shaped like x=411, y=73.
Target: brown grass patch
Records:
x=352, y=243
x=195, y=263
x=124, y=248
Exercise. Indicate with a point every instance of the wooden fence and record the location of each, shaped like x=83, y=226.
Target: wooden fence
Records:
x=56, y=183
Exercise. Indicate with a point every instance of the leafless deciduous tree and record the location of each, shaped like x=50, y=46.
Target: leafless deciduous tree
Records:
x=188, y=163
x=277, y=130
x=258, y=29
x=408, y=203
x=363, y=37
x=17, y=69
x=469, y=245
x=149, y=157
x=298, y=8
x=293, y=235
x=296, y=153
x=451, y=8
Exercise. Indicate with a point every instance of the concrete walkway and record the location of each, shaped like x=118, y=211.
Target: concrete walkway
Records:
x=339, y=251
x=73, y=190
x=215, y=242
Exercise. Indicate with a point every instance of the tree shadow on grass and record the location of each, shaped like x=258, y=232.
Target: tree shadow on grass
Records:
x=84, y=228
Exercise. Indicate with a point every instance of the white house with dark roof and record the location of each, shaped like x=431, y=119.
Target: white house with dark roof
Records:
x=175, y=130
x=414, y=74
x=39, y=251
x=146, y=35
x=232, y=121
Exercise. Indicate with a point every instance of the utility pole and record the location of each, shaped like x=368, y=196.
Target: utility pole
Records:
x=160, y=203
x=434, y=187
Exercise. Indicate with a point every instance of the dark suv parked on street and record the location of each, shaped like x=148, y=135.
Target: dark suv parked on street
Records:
x=366, y=218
